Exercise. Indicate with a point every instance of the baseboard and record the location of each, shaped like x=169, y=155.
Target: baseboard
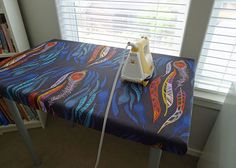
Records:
x=194, y=152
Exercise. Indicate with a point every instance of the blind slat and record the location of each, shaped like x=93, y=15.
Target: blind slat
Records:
x=118, y=23
x=122, y=17
x=210, y=56
x=213, y=84
x=122, y=9
x=121, y=44
x=125, y=42
x=217, y=50
x=216, y=42
x=117, y=28
x=210, y=77
x=225, y=9
x=224, y=18
x=130, y=1
x=129, y=37
x=218, y=72
x=221, y=34
x=217, y=64
x=157, y=34
x=212, y=80
x=115, y=22
x=213, y=26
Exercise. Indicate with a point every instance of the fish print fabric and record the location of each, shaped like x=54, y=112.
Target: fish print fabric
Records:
x=73, y=80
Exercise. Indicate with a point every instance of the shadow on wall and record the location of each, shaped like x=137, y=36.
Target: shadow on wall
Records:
x=40, y=19
x=203, y=120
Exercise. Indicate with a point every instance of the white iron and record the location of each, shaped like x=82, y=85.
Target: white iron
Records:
x=138, y=66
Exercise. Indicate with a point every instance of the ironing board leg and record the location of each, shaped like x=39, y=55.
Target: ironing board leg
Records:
x=23, y=131
x=154, y=157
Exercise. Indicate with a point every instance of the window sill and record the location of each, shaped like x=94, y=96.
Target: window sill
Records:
x=208, y=99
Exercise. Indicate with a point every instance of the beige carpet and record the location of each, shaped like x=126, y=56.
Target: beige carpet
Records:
x=62, y=146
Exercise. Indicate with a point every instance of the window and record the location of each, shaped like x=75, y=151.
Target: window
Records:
x=217, y=64
x=115, y=22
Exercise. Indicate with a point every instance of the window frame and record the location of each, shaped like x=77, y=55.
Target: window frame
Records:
x=199, y=13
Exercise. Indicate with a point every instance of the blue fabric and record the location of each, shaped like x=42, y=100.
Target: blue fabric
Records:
x=73, y=80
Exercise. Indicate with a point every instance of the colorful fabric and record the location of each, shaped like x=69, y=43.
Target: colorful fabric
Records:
x=73, y=80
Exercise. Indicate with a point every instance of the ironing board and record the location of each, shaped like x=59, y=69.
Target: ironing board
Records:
x=73, y=80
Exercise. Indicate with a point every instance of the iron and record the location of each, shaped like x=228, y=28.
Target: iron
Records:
x=138, y=66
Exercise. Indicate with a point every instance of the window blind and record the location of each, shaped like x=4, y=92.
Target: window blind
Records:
x=217, y=65
x=115, y=22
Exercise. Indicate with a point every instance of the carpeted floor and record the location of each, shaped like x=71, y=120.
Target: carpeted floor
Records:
x=62, y=146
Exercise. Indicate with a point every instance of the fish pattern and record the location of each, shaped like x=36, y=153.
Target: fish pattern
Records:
x=73, y=80
x=182, y=70
x=154, y=88
x=168, y=68
x=23, y=57
x=167, y=91
x=181, y=98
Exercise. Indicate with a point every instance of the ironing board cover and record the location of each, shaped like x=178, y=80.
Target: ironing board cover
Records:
x=73, y=80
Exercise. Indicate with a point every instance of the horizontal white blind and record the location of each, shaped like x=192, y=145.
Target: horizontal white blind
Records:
x=115, y=22
x=217, y=65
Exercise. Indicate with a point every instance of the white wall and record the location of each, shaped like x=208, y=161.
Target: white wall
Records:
x=197, y=22
x=220, y=149
x=41, y=23
x=40, y=19
x=203, y=120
